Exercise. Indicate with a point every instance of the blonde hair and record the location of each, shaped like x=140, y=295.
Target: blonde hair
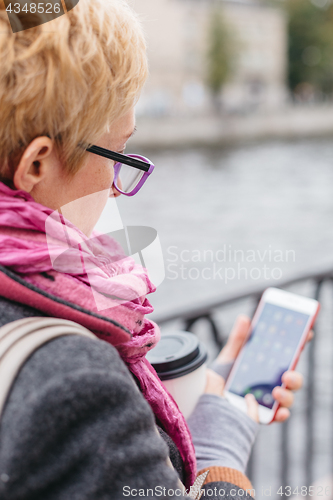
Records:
x=68, y=79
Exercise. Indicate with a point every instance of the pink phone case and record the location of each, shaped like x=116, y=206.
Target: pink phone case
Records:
x=298, y=352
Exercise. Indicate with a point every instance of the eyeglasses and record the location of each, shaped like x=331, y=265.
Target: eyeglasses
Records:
x=130, y=171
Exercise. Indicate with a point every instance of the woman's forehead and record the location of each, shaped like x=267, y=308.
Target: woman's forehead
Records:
x=124, y=128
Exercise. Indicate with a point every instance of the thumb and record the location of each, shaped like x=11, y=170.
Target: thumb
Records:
x=214, y=383
x=252, y=407
x=236, y=339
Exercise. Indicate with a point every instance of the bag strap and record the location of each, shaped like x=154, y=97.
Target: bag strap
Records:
x=20, y=339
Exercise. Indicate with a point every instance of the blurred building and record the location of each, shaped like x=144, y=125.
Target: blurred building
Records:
x=177, y=34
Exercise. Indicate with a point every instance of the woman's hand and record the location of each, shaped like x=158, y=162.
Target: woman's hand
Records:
x=292, y=380
x=215, y=385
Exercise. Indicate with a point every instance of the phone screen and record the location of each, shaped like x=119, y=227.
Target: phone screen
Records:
x=268, y=353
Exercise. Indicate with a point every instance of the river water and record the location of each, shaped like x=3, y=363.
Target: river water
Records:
x=230, y=219
x=266, y=208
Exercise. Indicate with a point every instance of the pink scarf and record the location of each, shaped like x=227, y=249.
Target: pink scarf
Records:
x=95, y=274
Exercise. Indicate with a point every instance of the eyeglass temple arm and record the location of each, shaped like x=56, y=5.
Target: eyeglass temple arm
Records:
x=132, y=162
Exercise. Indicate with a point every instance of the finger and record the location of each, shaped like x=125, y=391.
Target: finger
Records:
x=310, y=336
x=292, y=380
x=283, y=396
x=282, y=415
x=214, y=383
x=236, y=339
x=252, y=407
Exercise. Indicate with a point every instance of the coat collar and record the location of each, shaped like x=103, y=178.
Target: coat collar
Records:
x=16, y=289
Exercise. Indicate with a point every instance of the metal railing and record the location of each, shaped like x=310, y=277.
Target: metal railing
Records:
x=189, y=317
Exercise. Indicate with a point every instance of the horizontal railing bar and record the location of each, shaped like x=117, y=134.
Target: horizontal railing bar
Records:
x=206, y=309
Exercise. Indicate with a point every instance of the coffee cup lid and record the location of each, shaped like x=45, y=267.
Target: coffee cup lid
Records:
x=177, y=354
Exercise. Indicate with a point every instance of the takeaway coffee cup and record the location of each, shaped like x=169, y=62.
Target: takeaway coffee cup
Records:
x=180, y=362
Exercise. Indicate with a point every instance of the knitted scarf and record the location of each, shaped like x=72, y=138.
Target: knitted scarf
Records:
x=48, y=251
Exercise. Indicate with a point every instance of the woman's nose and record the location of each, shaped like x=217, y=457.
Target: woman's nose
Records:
x=114, y=193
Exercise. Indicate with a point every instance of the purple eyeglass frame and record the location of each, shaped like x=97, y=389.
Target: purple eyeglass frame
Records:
x=135, y=161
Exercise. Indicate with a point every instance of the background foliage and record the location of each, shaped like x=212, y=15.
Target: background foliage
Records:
x=310, y=49
x=219, y=53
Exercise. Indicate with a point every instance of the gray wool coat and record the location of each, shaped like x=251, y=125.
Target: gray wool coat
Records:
x=75, y=428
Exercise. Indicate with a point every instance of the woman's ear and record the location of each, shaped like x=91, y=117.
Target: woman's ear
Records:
x=34, y=164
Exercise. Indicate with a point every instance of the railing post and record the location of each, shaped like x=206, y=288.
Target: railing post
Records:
x=215, y=332
x=285, y=455
x=250, y=465
x=189, y=323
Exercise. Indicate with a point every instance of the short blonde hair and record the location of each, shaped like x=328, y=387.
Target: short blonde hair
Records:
x=68, y=79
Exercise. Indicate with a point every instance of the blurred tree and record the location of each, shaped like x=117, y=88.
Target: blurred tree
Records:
x=219, y=53
x=310, y=48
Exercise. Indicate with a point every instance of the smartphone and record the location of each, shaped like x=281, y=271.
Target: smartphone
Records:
x=278, y=333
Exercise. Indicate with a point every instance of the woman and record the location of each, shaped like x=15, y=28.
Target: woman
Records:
x=75, y=425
